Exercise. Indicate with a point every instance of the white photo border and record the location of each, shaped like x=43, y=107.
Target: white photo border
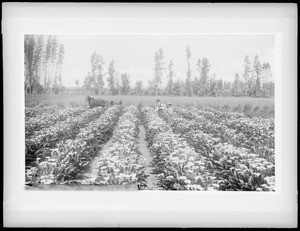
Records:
x=146, y=208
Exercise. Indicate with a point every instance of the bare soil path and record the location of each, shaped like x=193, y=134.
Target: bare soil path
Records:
x=146, y=156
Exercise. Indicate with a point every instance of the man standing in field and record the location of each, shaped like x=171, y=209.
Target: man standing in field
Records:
x=168, y=113
x=160, y=108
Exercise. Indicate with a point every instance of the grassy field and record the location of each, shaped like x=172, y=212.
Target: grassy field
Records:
x=250, y=106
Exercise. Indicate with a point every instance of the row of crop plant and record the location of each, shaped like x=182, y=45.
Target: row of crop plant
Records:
x=46, y=120
x=257, y=139
x=69, y=159
x=177, y=165
x=235, y=168
x=121, y=163
x=62, y=130
x=39, y=110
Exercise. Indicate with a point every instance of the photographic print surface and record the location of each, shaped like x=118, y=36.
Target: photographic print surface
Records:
x=150, y=112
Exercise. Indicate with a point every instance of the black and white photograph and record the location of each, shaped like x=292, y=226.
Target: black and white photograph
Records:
x=150, y=115
x=157, y=112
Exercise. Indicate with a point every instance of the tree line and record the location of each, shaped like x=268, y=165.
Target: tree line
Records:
x=253, y=83
x=43, y=62
x=44, y=57
x=94, y=81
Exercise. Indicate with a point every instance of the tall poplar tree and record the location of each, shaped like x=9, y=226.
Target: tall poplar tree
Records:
x=258, y=69
x=158, y=71
x=247, y=75
x=111, y=79
x=170, y=78
x=188, y=81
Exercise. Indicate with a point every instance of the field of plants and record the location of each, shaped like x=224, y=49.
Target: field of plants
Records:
x=251, y=107
x=204, y=149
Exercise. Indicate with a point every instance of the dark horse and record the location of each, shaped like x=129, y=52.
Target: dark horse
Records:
x=95, y=102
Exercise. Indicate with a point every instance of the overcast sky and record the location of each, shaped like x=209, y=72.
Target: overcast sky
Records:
x=134, y=54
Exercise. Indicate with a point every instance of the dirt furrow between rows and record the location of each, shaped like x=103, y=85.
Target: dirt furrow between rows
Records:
x=151, y=180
